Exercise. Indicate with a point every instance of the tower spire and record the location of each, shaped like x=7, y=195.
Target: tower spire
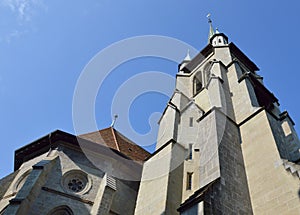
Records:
x=211, y=29
x=216, y=38
x=185, y=61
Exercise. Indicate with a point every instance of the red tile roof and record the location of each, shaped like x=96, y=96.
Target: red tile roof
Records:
x=115, y=140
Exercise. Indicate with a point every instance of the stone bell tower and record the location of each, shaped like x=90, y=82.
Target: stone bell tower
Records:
x=223, y=146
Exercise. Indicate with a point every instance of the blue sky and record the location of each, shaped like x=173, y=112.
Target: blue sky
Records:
x=45, y=45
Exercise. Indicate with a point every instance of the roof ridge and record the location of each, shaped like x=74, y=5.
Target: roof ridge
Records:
x=93, y=132
x=124, y=137
x=129, y=140
x=115, y=138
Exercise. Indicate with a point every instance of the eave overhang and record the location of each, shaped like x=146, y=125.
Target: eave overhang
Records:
x=264, y=96
x=52, y=141
x=242, y=57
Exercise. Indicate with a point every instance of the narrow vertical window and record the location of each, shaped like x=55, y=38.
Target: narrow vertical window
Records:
x=197, y=84
x=190, y=151
x=189, y=181
x=191, y=121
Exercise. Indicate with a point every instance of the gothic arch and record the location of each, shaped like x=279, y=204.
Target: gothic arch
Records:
x=61, y=210
x=197, y=84
x=207, y=72
x=20, y=181
x=201, y=78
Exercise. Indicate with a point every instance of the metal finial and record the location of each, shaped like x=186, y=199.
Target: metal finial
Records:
x=114, y=121
x=211, y=29
x=208, y=16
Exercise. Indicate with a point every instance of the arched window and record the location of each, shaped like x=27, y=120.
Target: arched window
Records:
x=197, y=83
x=21, y=181
x=201, y=79
x=61, y=210
x=207, y=72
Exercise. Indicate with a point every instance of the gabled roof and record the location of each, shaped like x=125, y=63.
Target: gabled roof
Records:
x=189, y=104
x=115, y=140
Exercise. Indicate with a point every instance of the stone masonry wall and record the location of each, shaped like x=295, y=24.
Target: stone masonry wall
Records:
x=273, y=190
x=230, y=195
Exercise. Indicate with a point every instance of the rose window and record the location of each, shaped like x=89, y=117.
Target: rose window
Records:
x=76, y=181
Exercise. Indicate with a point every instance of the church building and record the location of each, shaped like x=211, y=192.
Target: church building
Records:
x=223, y=147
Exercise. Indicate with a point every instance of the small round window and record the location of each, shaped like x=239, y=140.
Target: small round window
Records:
x=76, y=181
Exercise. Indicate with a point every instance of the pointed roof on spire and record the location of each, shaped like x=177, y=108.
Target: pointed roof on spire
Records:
x=187, y=57
x=211, y=29
x=185, y=61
